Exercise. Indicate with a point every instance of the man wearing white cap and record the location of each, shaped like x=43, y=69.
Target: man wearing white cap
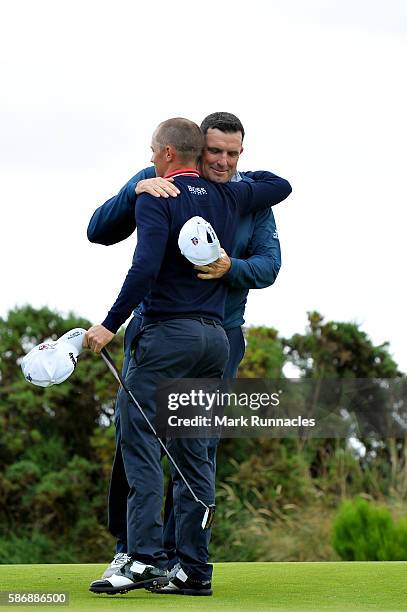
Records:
x=182, y=337
x=254, y=263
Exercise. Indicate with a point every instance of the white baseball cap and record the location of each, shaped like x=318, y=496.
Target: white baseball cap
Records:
x=198, y=242
x=50, y=363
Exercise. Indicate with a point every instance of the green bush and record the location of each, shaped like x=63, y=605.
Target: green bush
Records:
x=363, y=531
x=35, y=547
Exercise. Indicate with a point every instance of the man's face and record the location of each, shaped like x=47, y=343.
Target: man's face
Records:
x=220, y=155
x=158, y=157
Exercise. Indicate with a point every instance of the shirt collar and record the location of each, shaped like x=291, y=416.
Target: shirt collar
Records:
x=183, y=172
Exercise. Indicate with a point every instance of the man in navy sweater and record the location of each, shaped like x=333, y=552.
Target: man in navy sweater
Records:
x=182, y=336
x=254, y=263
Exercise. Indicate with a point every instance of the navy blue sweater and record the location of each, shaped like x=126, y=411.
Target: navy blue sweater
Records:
x=255, y=255
x=160, y=272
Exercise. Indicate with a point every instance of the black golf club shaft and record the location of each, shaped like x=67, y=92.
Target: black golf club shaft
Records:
x=110, y=364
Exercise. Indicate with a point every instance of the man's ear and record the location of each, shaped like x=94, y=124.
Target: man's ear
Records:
x=241, y=151
x=170, y=153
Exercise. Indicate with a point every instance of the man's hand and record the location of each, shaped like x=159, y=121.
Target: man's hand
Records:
x=217, y=269
x=97, y=337
x=158, y=187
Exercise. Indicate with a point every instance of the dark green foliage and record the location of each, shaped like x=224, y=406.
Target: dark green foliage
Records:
x=275, y=498
x=68, y=412
x=28, y=546
x=271, y=487
x=363, y=531
x=339, y=350
x=52, y=484
x=264, y=356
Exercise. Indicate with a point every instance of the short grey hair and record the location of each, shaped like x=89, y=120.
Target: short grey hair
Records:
x=184, y=135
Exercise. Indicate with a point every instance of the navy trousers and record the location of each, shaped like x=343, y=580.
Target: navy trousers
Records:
x=119, y=488
x=236, y=353
x=172, y=349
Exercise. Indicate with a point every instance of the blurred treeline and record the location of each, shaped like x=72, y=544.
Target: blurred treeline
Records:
x=276, y=499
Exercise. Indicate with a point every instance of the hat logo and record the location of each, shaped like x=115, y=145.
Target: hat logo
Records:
x=74, y=334
x=47, y=345
x=194, y=240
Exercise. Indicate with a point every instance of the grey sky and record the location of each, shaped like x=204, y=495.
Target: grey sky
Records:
x=320, y=87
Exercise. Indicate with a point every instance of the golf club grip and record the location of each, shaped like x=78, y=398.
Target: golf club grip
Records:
x=111, y=365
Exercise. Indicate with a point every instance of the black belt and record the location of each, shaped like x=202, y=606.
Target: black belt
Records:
x=202, y=320
x=146, y=325
x=186, y=316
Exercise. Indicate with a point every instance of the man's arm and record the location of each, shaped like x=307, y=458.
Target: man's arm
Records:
x=263, y=263
x=263, y=256
x=114, y=220
x=257, y=175
x=260, y=194
x=153, y=222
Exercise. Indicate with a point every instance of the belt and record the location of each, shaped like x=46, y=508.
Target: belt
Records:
x=144, y=326
x=203, y=320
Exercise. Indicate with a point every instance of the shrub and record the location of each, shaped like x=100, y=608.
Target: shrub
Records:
x=363, y=531
x=34, y=547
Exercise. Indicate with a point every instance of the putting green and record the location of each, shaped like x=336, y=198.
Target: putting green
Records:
x=237, y=586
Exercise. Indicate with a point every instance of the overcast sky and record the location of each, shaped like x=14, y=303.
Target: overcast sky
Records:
x=320, y=87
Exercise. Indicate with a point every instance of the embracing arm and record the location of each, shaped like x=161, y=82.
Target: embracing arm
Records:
x=259, y=194
x=263, y=263
x=258, y=175
x=114, y=220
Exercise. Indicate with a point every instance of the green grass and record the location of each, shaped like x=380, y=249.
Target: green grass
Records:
x=237, y=586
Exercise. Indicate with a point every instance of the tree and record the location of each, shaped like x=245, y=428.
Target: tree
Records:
x=339, y=350
x=264, y=357
x=342, y=351
x=49, y=456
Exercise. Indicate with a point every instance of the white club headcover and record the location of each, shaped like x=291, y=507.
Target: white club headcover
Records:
x=50, y=363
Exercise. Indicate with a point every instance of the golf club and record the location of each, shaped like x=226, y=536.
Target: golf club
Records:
x=209, y=510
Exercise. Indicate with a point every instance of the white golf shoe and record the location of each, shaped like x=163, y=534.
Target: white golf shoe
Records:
x=118, y=561
x=132, y=575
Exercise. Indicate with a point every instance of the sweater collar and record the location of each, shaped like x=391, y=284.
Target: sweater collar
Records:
x=183, y=172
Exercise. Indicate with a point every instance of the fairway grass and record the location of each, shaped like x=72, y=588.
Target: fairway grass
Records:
x=237, y=586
